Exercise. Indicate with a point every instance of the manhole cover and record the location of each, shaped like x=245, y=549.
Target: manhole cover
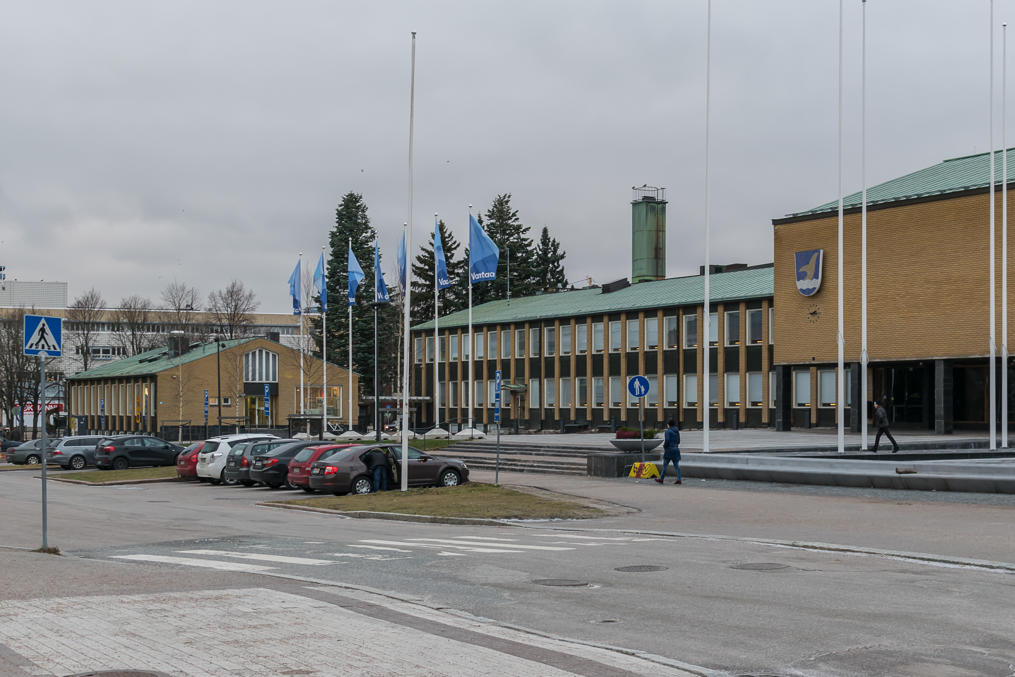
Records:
x=760, y=566
x=639, y=568
x=561, y=582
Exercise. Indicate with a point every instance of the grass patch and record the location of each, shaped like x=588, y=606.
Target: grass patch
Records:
x=468, y=500
x=430, y=445
x=102, y=476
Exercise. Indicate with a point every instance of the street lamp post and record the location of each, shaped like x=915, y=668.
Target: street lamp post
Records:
x=377, y=399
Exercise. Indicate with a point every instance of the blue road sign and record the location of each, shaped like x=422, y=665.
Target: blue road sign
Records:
x=497, y=382
x=267, y=402
x=637, y=386
x=206, y=407
x=102, y=413
x=43, y=335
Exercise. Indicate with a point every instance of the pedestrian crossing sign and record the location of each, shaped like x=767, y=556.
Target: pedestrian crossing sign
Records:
x=43, y=335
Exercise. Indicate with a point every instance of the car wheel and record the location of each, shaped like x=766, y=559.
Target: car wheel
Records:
x=248, y=483
x=362, y=485
x=450, y=478
x=120, y=463
x=290, y=484
x=226, y=481
x=77, y=462
x=32, y=460
x=309, y=490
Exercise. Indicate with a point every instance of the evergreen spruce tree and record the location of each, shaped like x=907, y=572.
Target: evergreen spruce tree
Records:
x=501, y=223
x=453, y=298
x=548, y=267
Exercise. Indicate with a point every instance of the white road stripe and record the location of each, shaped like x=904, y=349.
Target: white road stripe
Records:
x=189, y=561
x=594, y=538
x=445, y=545
x=379, y=547
x=488, y=538
x=474, y=543
x=281, y=559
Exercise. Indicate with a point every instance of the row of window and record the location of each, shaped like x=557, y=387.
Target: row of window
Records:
x=613, y=393
x=492, y=342
x=158, y=328
x=102, y=352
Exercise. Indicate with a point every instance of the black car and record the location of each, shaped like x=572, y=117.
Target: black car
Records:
x=125, y=451
x=272, y=469
x=241, y=458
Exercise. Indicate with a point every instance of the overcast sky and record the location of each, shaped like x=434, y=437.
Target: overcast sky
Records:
x=201, y=141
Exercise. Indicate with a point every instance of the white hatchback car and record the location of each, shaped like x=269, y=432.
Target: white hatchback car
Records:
x=211, y=462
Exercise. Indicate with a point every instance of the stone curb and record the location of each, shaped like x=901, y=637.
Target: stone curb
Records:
x=111, y=483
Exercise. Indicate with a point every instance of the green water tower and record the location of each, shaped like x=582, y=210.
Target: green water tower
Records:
x=648, y=234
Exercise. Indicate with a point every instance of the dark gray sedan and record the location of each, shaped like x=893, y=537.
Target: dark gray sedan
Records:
x=73, y=452
x=345, y=471
x=30, y=452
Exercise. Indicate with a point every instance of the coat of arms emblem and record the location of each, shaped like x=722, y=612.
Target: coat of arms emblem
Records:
x=808, y=270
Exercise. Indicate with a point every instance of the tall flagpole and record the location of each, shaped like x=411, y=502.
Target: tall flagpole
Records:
x=840, y=406
x=707, y=305
x=436, y=342
x=472, y=343
x=324, y=351
x=408, y=281
x=301, y=333
x=1004, y=238
x=991, y=361
x=349, y=305
x=864, y=357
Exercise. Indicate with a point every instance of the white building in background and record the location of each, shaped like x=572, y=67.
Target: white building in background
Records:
x=41, y=294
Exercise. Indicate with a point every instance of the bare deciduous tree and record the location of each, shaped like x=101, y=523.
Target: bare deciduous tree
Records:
x=231, y=308
x=133, y=330
x=180, y=301
x=20, y=373
x=83, y=316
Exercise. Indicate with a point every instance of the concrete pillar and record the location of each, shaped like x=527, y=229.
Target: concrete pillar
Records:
x=783, y=395
x=857, y=405
x=943, y=398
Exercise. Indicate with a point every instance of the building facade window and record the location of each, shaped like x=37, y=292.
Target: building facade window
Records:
x=534, y=342
x=771, y=325
x=713, y=390
x=614, y=336
x=670, y=383
x=453, y=340
x=826, y=388
x=565, y=392
x=690, y=331
x=478, y=387
x=505, y=344
x=534, y=393
x=565, y=339
x=480, y=339
x=732, y=335
x=429, y=349
x=633, y=334
x=260, y=366
x=713, y=329
x=755, y=390
x=599, y=397
x=597, y=337
x=690, y=390
x=670, y=330
x=519, y=343
x=550, y=343
x=491, y=344
x=652, y=399
x=581, y=390
x=801, y=388
x=549, y=392
x=771, y=388
x=454, y=394
x=582, y=338
x=441, y=394
x=418, y=350
x=732, y=389
x=754, y=333
x=491, y=393
x=651, y=333
x=442, y=353
x=616, y=392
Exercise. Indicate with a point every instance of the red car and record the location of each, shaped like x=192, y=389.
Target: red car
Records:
x=186, y=462
x=299, y=466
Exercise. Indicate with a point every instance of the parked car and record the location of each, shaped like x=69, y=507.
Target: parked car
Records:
x=345, y=471
x=73, y=452
x=272, y=469
x=299, y=466
x=241, y=457
x=28, y=452
x=211, y=461
x=9, y=444
x=124, y=451
x=186, y=462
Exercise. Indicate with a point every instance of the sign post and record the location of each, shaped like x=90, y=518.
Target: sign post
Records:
x=43, y=338
x=497, y=383
x=638, y=387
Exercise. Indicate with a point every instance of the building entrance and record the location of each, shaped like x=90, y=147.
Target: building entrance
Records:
x=907, y=393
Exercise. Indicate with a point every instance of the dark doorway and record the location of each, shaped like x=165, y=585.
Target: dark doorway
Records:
x=907, y=394
x=971, y=391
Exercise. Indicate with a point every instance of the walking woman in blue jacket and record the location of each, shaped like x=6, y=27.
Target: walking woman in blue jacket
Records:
x=671, y=450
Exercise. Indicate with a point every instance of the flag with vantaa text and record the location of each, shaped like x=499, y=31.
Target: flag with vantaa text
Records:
x=443, y=281
x=483, y=254
x=355, y=276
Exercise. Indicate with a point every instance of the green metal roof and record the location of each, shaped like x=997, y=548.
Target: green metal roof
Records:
x=142, y=364
x=750, y=283
x=955, y=175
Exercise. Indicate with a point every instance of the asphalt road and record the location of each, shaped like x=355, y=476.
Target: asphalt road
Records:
x=722, y=586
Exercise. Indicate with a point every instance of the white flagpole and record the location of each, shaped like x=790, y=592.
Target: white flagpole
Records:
x=436, y=342
x=472, y=343
x=707, y=305
x=408, y=281
x=1004, y=238
x=991, y=361
x=840, y=406
x=864, y=357
x=301, y=332
x=324, y=352
x=349, y=305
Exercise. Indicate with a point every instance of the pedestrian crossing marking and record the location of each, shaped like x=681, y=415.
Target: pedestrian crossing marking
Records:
x=204, y=563
x=506, y=545
x=380, y=547
x=470, y=548
x=281, y=559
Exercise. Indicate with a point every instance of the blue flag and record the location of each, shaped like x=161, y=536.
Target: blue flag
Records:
x=380, y=289
x=483, y=254
x=443, y=281
x=355, y=275
x=401, y=263
x=294, y=289
x=321, y=283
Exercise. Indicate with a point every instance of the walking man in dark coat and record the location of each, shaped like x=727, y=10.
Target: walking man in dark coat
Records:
x=671, y=450
x=881, y=421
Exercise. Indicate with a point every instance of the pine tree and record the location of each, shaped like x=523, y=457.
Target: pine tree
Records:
x=516, y=253
x=452, y=298
x=549, y=263
x=352, y=223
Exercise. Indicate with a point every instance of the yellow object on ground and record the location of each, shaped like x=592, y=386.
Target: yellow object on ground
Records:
x=644, y=470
